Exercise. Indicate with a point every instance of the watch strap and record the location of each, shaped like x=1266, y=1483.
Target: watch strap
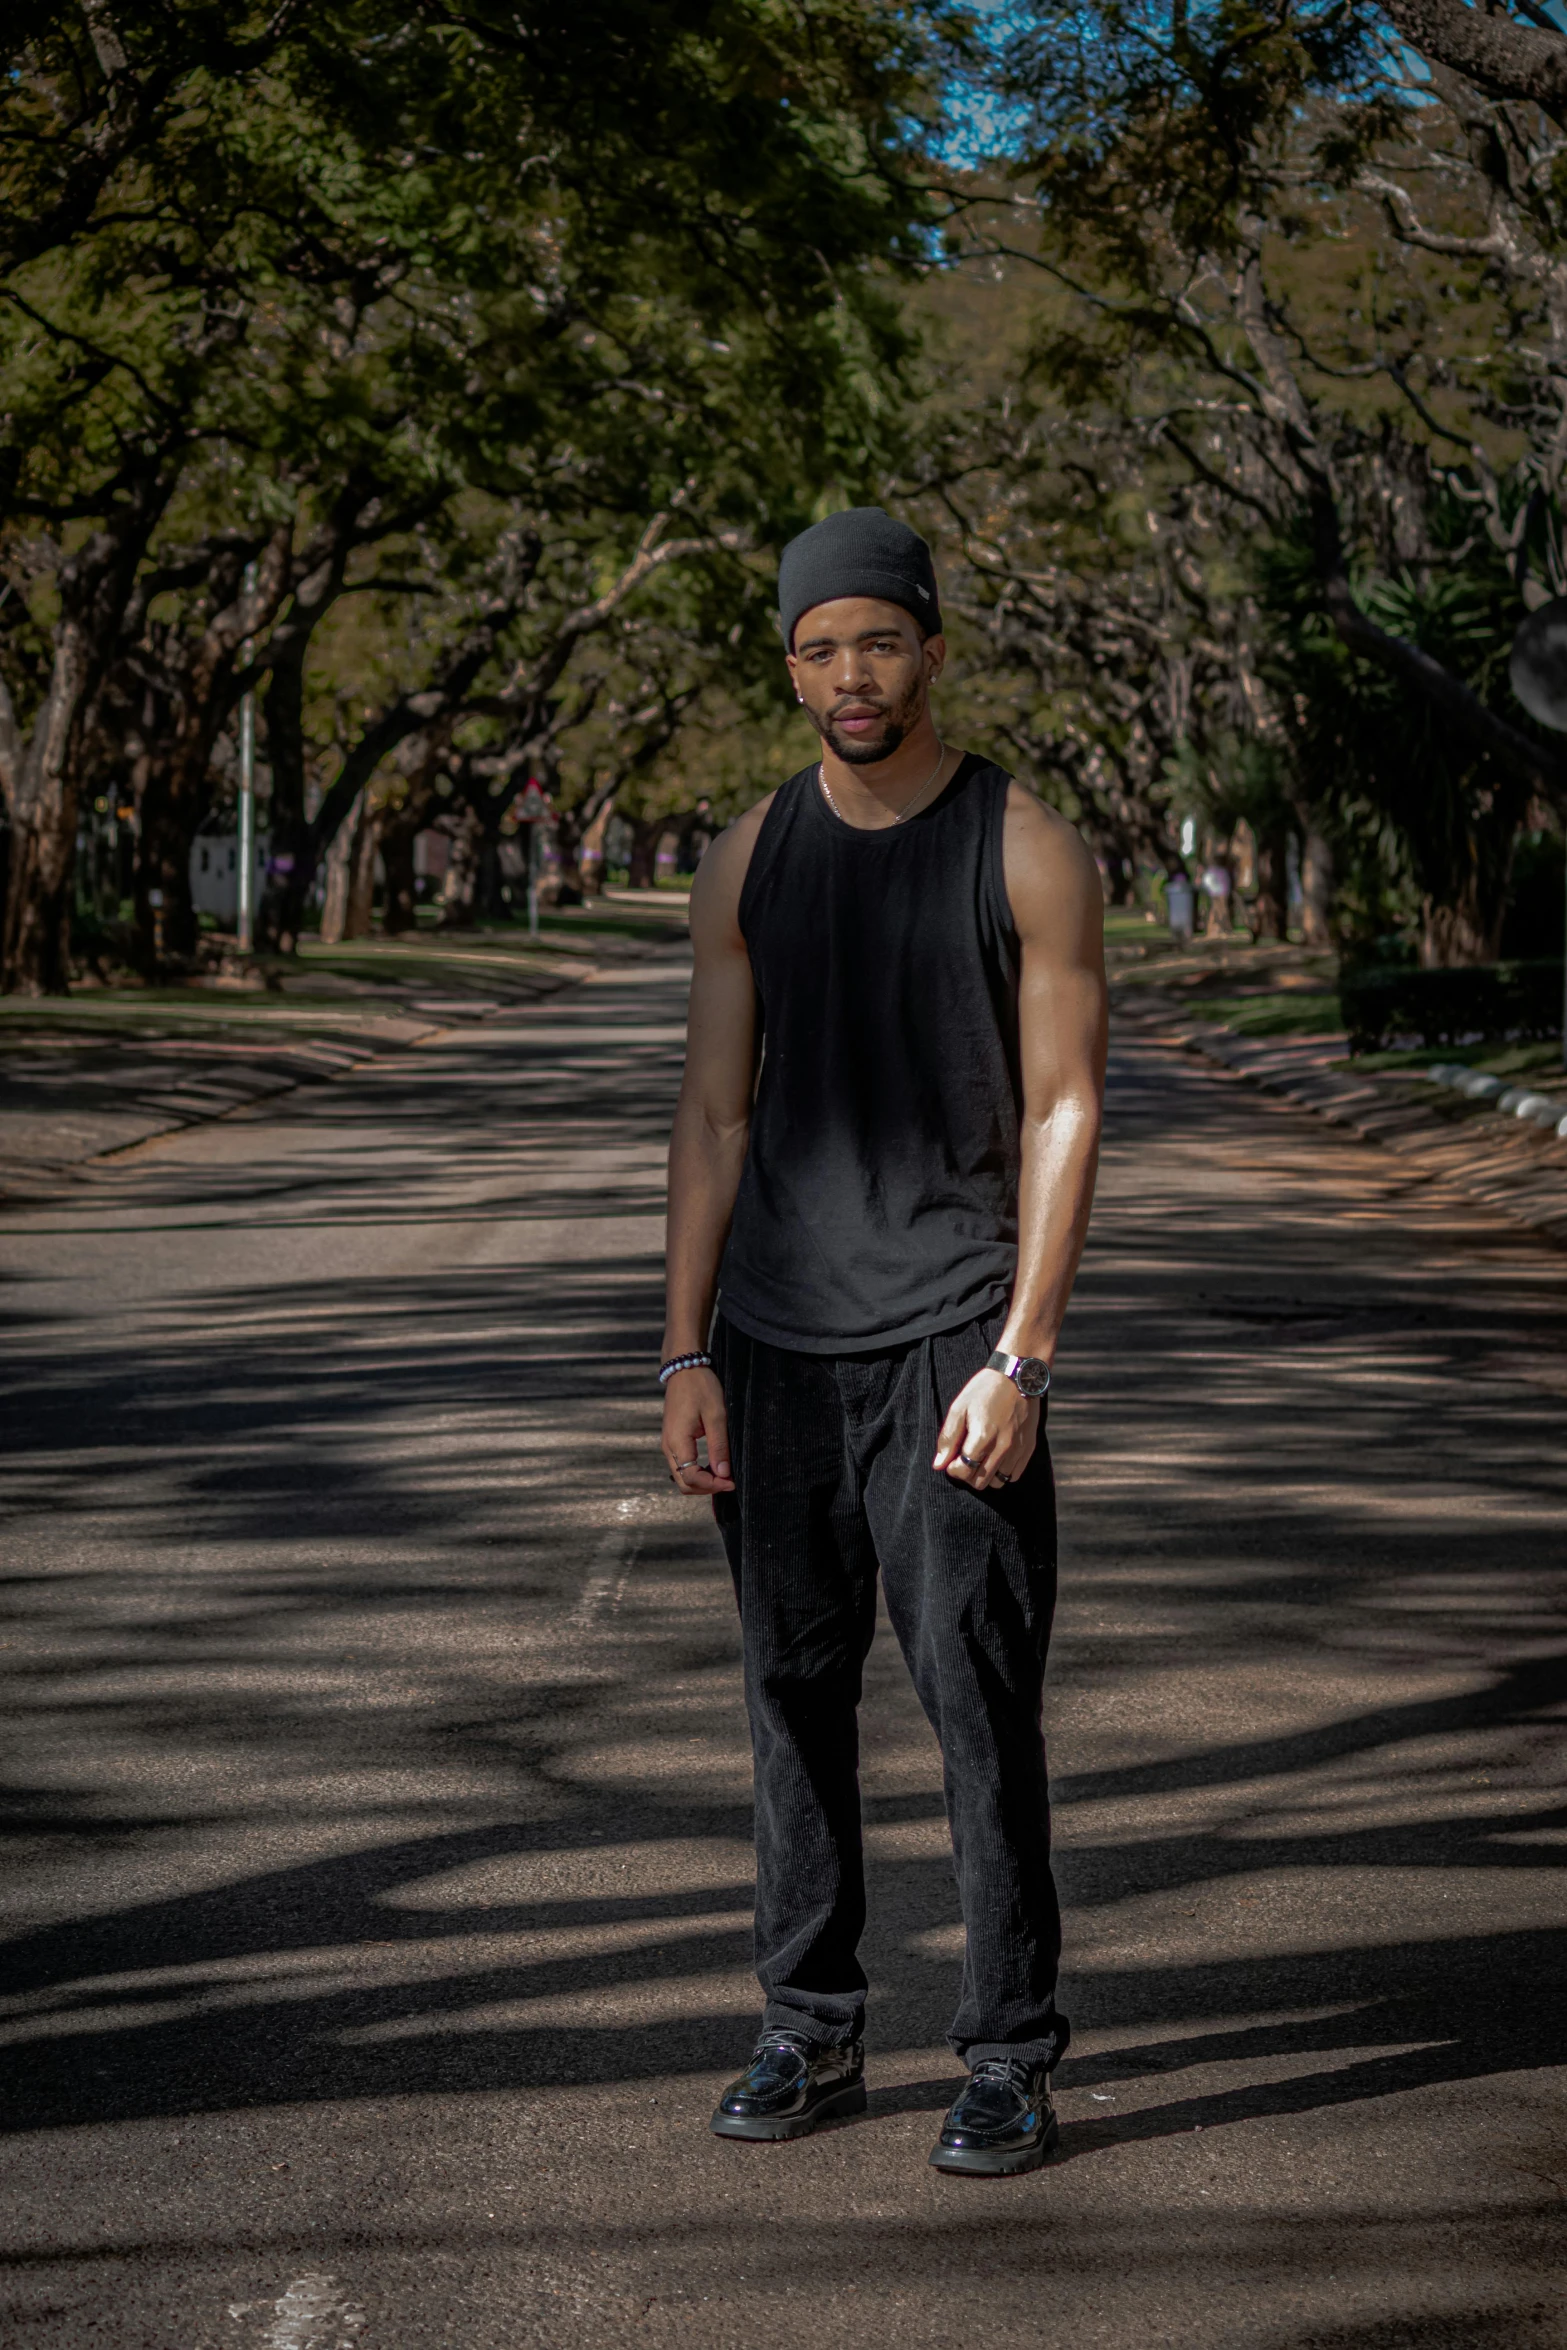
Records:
x=1010, y=1365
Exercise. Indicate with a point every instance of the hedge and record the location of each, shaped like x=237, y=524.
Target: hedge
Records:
x=1385, y=1006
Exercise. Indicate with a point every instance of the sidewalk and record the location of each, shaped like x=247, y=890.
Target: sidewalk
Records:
x=1503, y=1163
x=87, y=1078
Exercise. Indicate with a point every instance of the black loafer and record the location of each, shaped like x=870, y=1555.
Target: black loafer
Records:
x=1003, y=2122
x=790, y=2086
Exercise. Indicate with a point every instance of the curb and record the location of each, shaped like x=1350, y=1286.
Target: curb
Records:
x=1544, y=1110
x=1508, y=1164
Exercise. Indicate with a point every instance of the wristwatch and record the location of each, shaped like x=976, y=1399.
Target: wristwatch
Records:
x=1029, y=1374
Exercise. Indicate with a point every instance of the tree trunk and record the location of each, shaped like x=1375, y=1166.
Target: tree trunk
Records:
x=695, y=821
x=42, y=783
x=1464, y=904
x=283, y=711
x=195, y=698
x=339, y=861
x=163, y=868
x=401, y=826
x=568, y=858
x=645, y=839
x=590, y=852
x=489, y=905
x=295, y=848
x=38, y=894
x=399, y=831
x=359, y=920
x=1452, y=937
x=1316, y=882
x=1270, y=909
x=460, y=886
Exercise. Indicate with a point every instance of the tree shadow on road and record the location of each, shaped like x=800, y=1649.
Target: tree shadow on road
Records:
x=268, y=1531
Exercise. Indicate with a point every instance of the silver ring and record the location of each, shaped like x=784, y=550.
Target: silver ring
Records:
x=1002, y=1478
x=967, y=1463
x=691, y=1464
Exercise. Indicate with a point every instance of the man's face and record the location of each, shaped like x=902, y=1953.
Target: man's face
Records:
x=864, y=674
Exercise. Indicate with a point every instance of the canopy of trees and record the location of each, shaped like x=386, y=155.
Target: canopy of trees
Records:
x=449, y=380
x=1275, y=470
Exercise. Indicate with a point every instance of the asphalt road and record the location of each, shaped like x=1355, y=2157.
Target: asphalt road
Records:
x=377, y=1915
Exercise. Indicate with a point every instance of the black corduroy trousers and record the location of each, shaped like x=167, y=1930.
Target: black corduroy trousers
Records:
x=831, y=1458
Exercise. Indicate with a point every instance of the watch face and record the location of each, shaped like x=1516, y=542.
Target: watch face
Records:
x=1032, y=1375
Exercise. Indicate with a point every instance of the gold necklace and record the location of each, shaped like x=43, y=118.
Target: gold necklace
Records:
x=903, y=813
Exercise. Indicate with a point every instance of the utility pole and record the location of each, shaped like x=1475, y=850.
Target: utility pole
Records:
x=247, y=791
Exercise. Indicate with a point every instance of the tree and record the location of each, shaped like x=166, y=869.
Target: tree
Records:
x=288, y=271
x=1243, y=280
x=1081, y=616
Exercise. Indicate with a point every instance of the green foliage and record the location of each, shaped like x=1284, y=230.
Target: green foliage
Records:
x=1232, y=420
x=526, y=251
x=1294, y=319
x=1231, y=779
x=1154, y=130
x=455, y=304
x=1422, y=820
x=1384, y=1007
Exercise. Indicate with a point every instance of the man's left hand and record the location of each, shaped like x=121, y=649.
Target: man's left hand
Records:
x=988, y=1437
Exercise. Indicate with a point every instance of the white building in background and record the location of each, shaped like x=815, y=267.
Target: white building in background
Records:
x=214, y=875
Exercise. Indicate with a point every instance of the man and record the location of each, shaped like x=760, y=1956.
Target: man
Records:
x=907, y=944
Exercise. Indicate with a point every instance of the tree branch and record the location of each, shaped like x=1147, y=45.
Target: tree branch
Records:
x=1499, y=56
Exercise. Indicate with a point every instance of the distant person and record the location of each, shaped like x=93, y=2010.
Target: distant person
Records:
x=908, y=943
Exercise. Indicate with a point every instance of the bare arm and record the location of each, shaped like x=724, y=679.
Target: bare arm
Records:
x=1058, y=907
x=707, y=1151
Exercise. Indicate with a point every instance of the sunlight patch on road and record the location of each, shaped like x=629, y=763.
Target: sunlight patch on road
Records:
x=312, y=2314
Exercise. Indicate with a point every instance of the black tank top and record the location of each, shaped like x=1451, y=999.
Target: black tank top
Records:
x=878, y=1200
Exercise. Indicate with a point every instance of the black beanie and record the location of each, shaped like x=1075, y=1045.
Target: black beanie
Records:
x=860, y=552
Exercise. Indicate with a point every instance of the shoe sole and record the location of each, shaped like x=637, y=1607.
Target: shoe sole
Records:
x=841, y=2107
x=981, y=2162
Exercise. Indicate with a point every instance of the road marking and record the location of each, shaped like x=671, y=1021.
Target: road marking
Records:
x=311, y=2315
x=613, y=1560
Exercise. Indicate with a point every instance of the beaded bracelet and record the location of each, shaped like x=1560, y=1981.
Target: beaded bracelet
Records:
x=696, y=1362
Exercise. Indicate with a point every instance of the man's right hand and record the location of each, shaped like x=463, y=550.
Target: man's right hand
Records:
x=693, y=1407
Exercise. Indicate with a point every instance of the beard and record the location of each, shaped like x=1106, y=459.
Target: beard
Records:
x=868, y=750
